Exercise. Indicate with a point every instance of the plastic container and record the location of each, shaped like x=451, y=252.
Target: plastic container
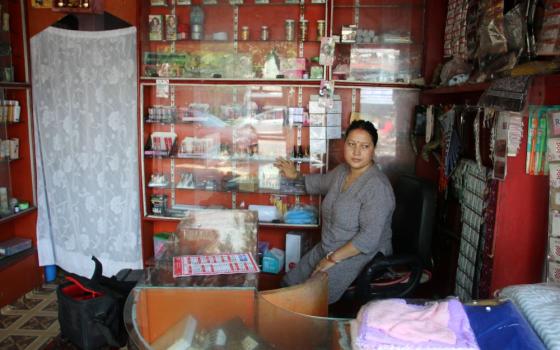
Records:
x=50, y=273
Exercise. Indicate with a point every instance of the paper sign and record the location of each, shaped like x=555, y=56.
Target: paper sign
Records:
x=162, y=88
x=317, y=133
x=334, y=132
x=218, y=264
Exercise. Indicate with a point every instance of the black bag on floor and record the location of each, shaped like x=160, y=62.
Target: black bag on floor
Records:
x=90, y=310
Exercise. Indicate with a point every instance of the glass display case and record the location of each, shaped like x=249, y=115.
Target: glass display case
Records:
x=235, y=39
x=214, y=146
x=14, y=106
x=17, y=190
x=159, y=318
x=380, y=41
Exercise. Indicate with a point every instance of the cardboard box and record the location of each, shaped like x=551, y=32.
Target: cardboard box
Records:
x=336, y=106
x=293, y=63
x=297, y=244
x=315, y=106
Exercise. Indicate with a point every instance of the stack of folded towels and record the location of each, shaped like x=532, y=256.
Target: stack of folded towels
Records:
x=393, y=324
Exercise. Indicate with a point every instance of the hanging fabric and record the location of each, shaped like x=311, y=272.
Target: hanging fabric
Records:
x=470, y=183
x=85, y=105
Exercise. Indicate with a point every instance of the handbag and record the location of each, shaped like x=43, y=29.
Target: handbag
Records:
x=90, y=310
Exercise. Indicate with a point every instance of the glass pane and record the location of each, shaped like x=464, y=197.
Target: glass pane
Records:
x=232, y=39
x=381, y=41
x=214, y=146
x=157, y=318
x=390, y=110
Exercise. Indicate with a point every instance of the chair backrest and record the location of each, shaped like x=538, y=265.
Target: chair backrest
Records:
x=414, y=217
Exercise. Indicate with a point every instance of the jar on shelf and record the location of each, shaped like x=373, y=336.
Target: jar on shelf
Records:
x=197, y=23
x=321, y=29
x=264, y=33
x=244, y=33
x=303, y=26
x=290, y=27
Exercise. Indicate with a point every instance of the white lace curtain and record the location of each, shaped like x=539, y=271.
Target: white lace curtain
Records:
x=85, y=105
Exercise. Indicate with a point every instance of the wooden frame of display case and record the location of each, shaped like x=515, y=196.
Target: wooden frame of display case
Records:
x=20, y=171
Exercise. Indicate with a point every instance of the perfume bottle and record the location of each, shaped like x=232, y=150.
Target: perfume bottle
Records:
x=197, y=22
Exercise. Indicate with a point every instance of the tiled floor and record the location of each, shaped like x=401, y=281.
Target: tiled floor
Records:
x=31, y=322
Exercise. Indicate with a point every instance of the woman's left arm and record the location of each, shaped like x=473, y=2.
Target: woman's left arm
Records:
x=332, y=258
x=375, y=217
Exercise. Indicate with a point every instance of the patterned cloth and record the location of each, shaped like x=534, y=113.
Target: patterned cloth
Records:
x=540, y=304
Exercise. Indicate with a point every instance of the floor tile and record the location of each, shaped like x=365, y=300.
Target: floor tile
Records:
x=17, y=342
x=39, y=323
x=7, y=320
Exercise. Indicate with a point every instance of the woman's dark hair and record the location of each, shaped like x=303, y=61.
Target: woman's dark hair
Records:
x=364, y=125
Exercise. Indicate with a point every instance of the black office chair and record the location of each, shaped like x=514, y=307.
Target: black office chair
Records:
x=398, y=275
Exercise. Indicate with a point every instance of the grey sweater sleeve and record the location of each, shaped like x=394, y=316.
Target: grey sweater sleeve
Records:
x=375, y=216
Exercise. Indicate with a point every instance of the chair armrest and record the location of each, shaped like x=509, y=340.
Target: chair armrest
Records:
x=366, y=291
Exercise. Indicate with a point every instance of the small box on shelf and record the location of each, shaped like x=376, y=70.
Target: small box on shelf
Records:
x=78, y=6
x=13, y=246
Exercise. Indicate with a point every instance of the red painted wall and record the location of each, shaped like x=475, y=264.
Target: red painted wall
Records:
x=521, y=229
x=520, y=232
x=40, y=19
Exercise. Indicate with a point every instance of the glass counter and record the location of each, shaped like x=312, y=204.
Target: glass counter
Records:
x=226, y=318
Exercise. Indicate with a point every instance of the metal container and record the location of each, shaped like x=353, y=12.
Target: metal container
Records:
x=264, y=33
x=244, y=33
x=320, y=29
x=303, y=26
x=290, y=28
x=196, y=32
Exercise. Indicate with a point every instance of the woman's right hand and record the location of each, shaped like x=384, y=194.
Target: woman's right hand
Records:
x=287, y=168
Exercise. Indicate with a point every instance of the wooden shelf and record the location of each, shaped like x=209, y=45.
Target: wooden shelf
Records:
x=14, y=85
x=359, y=83
x=230, y=81
x=263, y=224
x=459, y=89
x=95, y=6
x=17, y=215
x=14, y=259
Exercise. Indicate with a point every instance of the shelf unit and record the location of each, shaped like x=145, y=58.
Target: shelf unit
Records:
x=17, y=175
x=382, y=41
x=225, y=141
x=184, y=68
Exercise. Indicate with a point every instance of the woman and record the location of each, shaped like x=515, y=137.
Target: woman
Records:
x=356, y=210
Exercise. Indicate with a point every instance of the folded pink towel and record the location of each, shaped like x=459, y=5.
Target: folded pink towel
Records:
x=392, y=324
x=406, y=322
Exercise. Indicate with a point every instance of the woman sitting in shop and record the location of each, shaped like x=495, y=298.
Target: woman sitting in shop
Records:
x=356, y=210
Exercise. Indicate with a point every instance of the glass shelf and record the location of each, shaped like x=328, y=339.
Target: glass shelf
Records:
x=14, y=216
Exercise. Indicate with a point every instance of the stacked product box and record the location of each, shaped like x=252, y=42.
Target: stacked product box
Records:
x=13, y=246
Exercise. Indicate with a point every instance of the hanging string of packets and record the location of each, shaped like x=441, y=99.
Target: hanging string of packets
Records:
x=537, y=131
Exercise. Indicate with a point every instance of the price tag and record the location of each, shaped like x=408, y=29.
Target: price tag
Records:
x=162, y=88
